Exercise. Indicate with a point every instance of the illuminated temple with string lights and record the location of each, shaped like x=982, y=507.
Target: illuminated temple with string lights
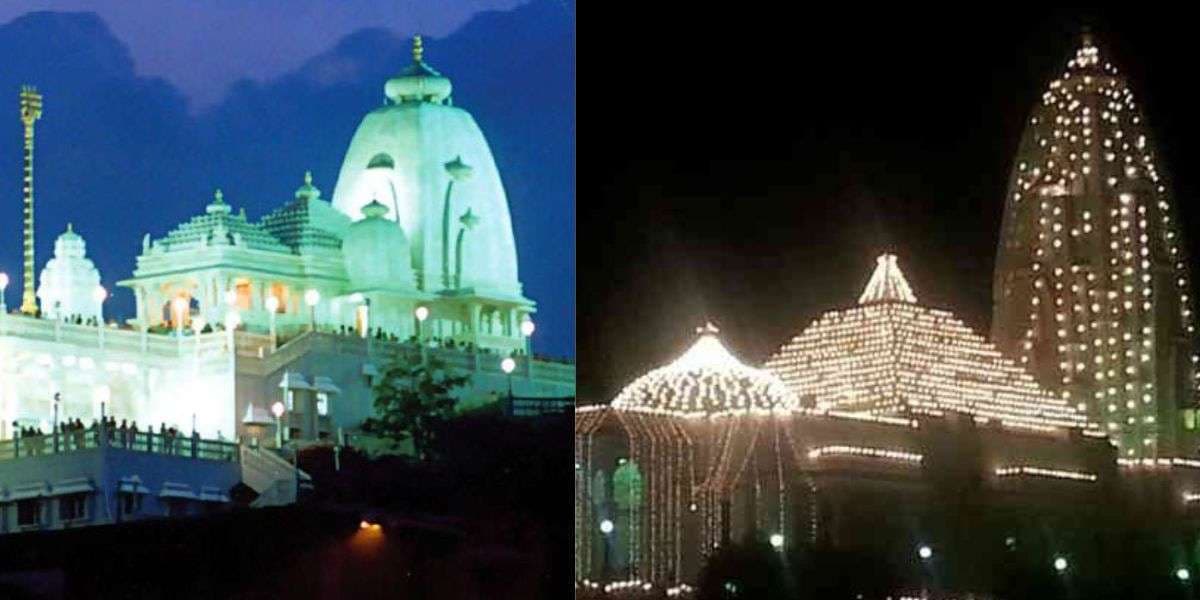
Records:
x=270, y=331
x=867, y=426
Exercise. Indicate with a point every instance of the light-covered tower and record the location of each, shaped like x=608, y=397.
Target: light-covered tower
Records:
x=1091, y=286
x=31, y=111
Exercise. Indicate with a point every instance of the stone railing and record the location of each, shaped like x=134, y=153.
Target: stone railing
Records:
x=64, y=442
x=383, y=352
x=111, y=338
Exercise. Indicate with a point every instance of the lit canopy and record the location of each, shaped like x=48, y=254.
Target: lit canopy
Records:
x=890, y=355
x=706, y=380
x=887, y=283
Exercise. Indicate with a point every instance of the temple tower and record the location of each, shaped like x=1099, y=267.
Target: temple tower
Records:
x=31, y=111
x=1091, y=288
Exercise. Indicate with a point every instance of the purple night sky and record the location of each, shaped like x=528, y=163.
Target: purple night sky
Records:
x=202, y=47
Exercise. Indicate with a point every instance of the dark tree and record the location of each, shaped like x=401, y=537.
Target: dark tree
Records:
x=412, y=398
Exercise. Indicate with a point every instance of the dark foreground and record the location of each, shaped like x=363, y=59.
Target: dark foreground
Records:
x=480, y=521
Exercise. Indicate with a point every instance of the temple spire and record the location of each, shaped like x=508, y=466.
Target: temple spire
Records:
x=418, y=49
x=887, y=283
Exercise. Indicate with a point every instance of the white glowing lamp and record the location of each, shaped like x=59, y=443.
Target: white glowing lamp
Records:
x=527, y=327
x=422, y=313
x=312, y=297
x=776, y=540
x=606, y=526
x=99, y=294
x=272, y=304
x=925, y=552
x=1060, y=564
x=277, y=409
x=508, y=365
x=1183, y=574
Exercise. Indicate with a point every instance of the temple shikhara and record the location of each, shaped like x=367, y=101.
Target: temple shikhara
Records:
x=1092, y=287
x=412, y=255
x=877, y=421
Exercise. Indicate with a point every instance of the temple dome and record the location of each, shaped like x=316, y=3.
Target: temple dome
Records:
x=418, y=82
x=405, y=154
x=68, y=283
x=376, y=252
x=706, y=380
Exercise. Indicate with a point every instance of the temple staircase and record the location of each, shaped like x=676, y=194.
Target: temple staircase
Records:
x=272, y=476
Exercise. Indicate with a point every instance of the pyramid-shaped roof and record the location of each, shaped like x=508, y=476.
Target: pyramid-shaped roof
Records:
x=218, y=226
x=891, y=355
x=308, y=221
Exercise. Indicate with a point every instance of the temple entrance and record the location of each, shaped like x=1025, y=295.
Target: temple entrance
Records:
x=174, y=315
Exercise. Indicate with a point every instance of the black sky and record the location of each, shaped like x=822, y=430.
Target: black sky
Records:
x=747, y=168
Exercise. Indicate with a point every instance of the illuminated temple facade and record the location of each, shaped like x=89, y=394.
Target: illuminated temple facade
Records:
x=306, y=305
x=1091, y=288
x=875, y=426
x=866, y=429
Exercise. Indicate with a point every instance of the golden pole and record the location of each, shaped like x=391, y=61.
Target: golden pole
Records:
x=31, y=110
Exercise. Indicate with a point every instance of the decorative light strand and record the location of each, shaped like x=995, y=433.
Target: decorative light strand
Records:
x=1042, y=472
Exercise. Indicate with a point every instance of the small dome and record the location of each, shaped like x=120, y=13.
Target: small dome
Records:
x=68, y=283
x=377, y=253
x=69, y=244
x=418, y=82
x=706, y=380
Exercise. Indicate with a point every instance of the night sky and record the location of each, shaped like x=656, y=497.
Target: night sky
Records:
x=772, y=159
x=141, y=126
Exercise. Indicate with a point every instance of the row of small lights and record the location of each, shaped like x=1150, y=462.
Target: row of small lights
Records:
x=899, y=455
x=312, y=297
x=617, y=586
x=1042, y=472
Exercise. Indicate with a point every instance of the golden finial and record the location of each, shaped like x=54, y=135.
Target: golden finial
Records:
x=418, y=49
x=307, y=177
x=219, y=196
